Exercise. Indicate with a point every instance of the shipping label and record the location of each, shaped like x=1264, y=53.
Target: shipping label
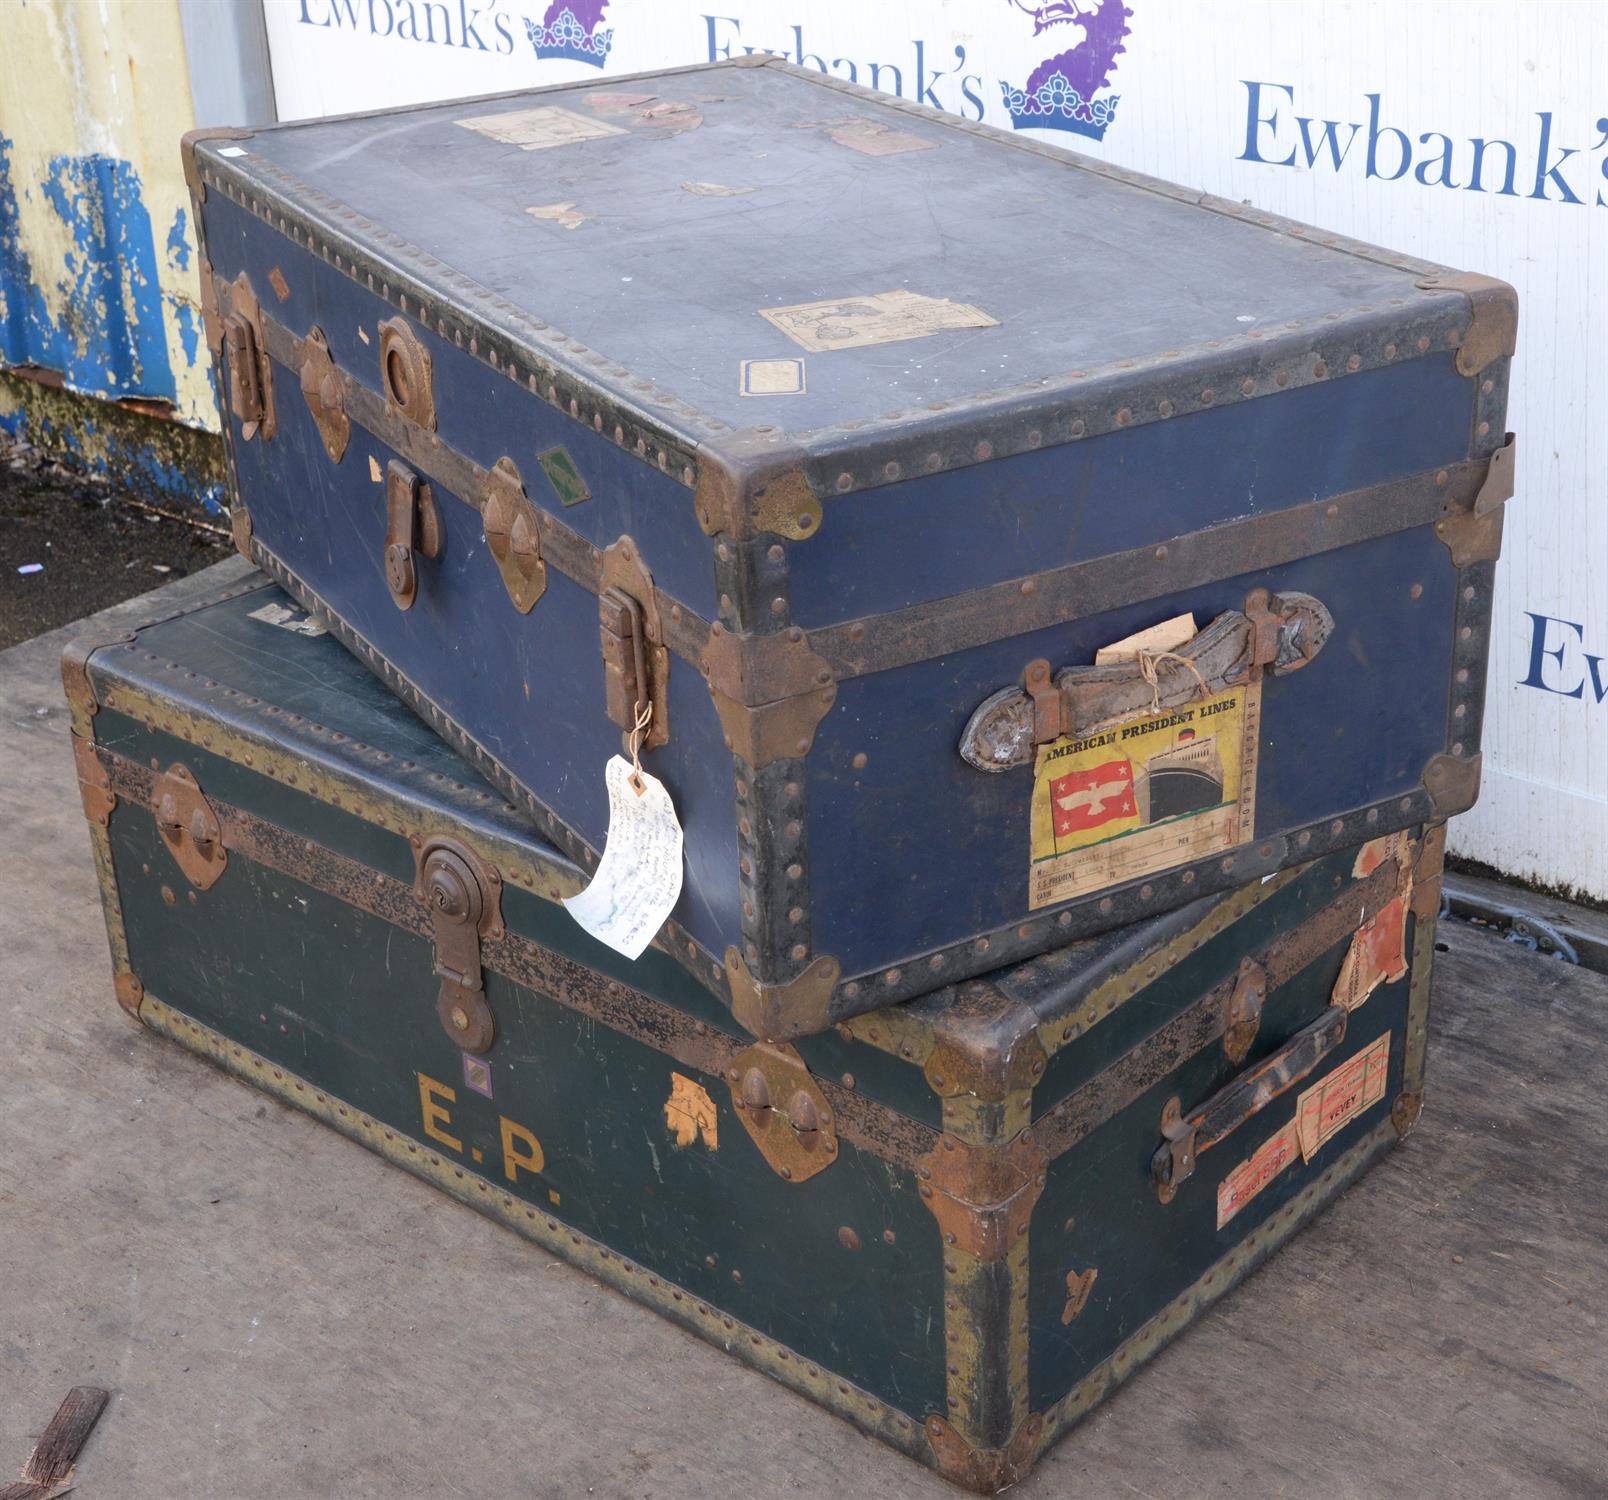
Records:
x=882, y=318
x=1144, y=796
x=1325, y=1109
x=1256, y=1171
x=1377, y=955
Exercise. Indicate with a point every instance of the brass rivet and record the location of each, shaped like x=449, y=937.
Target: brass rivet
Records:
x=1416, y=591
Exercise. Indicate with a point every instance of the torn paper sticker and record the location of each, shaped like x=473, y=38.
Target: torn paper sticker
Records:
x=1325, y=1109
x=873, y=138
x=1396, y=846
x=772, y=377
x=689, y=1112
x=883, y=318
x=638, y=880
x=566, y=215
x=1377, y=955
x=539, y=128
x=714, y=190
x=1255, y=1172
x=287, y=618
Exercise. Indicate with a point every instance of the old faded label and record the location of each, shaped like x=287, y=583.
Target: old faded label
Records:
x=873, y=138
x=287, y=618
x=1325, y=1109
x=1377, y=955
x=883, y=318
x=689, y=1113
x=565, y=215
x=772, y=377
x=1396, y=846
x=1256, y=1171
x=539, y=128
x=1143, y=797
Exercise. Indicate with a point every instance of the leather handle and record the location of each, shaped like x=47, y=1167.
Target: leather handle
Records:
x=1242, y=1099
x=1276, y=632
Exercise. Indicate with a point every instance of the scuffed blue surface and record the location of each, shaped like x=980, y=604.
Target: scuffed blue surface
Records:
x=107, y=339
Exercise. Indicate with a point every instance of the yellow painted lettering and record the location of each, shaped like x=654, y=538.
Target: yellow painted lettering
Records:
x=435, y=1116
x=520, y=1149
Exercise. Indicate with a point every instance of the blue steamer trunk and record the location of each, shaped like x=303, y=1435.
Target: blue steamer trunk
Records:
x=959, y=1222
x=560, y=403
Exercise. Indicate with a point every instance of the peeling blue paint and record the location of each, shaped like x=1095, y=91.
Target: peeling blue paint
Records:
x=178, y=243
x=189, y=331
x=109, y=340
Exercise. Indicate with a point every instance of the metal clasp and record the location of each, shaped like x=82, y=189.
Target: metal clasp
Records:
x=509, y=520
x=783, y=1109
x=1048, y=715
x=188, y=826
x=1244, y=1018
x=463, y=896
x=636, y=662
x=412, y=525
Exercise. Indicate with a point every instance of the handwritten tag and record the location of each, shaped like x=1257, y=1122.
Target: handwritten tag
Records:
x=638, y=880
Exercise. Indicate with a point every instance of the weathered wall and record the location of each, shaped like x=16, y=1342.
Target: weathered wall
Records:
x=98, y=282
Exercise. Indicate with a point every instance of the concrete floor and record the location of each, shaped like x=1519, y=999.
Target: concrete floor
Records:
x=280, y=1314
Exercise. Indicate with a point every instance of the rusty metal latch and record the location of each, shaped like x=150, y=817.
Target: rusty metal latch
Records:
x=412, y=526
x=1244, y=1018
x=245, y=357
x=1184, y=1138
x=464, y=899
x=326, y=396
x=636, y=661
x=783, y=1110
x=188, y=826
x=1041, y=688
x=509, y=520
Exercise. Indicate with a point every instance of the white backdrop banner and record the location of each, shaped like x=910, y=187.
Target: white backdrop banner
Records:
x=1465, y=131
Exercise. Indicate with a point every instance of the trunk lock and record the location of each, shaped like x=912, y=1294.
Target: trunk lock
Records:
x=412, y=525
x=783, y=1109
x=636, y=662
x=463, y=897
x=188, y=826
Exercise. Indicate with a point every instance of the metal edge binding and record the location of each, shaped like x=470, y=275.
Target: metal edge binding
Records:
x=779, y=1012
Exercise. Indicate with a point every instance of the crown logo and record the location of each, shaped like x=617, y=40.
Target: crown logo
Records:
x=1063, y=92
x=574, y=37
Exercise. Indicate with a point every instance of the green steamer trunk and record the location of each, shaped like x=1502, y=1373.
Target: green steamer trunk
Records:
x=959, y=1223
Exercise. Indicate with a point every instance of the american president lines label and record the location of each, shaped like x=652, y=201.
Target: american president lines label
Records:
x=1144, y=796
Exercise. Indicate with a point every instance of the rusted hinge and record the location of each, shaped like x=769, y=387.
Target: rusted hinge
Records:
x=325, y=394
x=405, y=373
x=188, y=826
x=511, y=530
x=783, y=1110
x=1493, y=329
x=412, y=527
x=773, y=1012
x=463, y=895
x=1048, y=718
x=770, y=691
x=636, y=662
x=982, y=1196
x=1475, y=535
x=94, y=785
x=1244, y=1018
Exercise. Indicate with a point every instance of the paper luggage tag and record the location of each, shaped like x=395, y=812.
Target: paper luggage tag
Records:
x=638, y=880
